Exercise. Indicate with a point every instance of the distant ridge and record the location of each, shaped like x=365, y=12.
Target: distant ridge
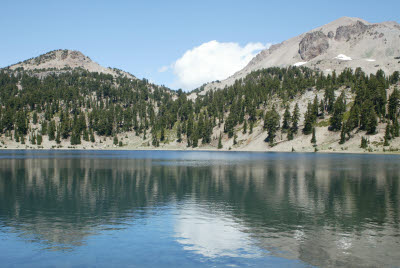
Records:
x=62, y=59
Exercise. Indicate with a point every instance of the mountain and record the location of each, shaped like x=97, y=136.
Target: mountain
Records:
x=343, y=43
x=64, y=100
x=62, y=60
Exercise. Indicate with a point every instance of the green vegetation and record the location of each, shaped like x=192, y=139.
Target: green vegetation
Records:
x=75, y=105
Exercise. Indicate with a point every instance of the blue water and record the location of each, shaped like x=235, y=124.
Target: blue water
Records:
x=198, y=209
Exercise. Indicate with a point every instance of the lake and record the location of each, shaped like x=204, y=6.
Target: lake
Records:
x=198, y=209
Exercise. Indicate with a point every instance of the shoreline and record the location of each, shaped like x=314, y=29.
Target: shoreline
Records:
x=116, y=149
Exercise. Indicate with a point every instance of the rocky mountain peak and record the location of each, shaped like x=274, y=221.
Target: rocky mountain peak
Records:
x=64, y=59
x=344, y=43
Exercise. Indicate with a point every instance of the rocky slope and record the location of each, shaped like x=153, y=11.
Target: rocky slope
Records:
x=63, y=60
x=344, y=43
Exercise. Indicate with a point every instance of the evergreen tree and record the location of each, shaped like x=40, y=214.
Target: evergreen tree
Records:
x=21, y=123
x=396, y=128
x=338, y=111
x=387, y=135
x=115, y=140
x=322, y=108
x=342, y=135
x=39, y=139
x=368, y=118
x=92, y=136
x=44, y=128
x=290, y=134
x=179, y=133
x=52, y=130
x=75, y=136
x=309, y=120
x=271, y=124
x=394, y=103
x=295, y=119
x=85, y=135
x=155, y=142
x=33, y=139
x=220, y=141
x=315, y=107
x=329, y=98
x=35, y=118
x=287, y=118
x=313, y=138
x=364, y=143
x=58, y=136
x=162, y=136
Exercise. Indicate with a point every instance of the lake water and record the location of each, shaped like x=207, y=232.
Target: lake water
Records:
x=198, y=209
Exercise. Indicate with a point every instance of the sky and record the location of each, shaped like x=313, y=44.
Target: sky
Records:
x=179, y=44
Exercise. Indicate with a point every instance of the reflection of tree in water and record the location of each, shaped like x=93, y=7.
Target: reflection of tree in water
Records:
x=324, y=210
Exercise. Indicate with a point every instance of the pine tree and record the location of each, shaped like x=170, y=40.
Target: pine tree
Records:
x=342, y=135
x=33, y=140
x=287, y=118
x=220, y=141
x=162, y=137
x=309, y=120
x=115, y=140
x=58, y=136
x=338, y=110
x=35, y=118
x=394, y=103
x=85, y=135
x=44, y=128
x=75, y=136
x=322, y=108
x=364, y=143
x=313, y=138
x=396, y=128
x=179, y=133
x=271, y=124
x=295, y=119
x=39, y=139
x=52, y=130
x=195, y=140
x=387, y=135
x=245, y=127
x=290, y=134
x=368, y=118
x=92, y=136
x=315, y=107
x=155, y=142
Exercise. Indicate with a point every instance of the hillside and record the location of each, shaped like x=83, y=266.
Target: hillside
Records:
x=344, y=43
x=64, y=100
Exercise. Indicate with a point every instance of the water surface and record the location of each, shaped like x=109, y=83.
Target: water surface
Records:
x=198, y=209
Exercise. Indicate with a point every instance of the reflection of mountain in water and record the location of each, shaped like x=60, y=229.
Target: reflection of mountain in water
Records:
x=325, y=210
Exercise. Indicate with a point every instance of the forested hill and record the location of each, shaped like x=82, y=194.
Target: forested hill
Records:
x=282, y=109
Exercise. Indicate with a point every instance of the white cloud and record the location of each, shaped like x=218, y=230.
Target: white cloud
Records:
x=211, y=61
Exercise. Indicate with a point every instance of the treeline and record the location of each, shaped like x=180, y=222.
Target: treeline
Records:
x=77, y=104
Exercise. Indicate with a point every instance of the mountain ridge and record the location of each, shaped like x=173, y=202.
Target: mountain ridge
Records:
x=64, y=59
x=347, y=42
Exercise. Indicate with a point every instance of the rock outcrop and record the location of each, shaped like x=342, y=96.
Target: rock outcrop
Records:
x=312, y=45
x=349, y=31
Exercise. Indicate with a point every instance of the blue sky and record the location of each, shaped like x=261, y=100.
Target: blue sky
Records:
x=147, y=38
